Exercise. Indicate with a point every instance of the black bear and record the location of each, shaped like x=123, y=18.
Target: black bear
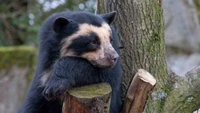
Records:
x=75, y=49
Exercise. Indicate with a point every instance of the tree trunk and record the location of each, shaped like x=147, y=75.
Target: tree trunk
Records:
x=140, y=28
x=185, y=96
x=141, y=33
x=88, y=99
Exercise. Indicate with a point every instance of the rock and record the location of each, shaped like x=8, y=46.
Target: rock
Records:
x=182, y=28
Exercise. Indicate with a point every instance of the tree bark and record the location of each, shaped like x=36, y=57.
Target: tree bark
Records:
x=140, y=27
x=88, y=99
x=185, y=96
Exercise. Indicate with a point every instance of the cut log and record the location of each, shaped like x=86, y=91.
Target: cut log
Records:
x=88, y=99
x=137, y=94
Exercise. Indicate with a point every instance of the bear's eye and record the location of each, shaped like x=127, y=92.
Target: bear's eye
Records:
x=93, y=43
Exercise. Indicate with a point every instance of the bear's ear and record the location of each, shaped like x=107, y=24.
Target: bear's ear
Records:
x=59, y=24
x=109, y=17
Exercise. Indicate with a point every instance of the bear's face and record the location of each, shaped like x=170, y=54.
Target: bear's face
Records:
x=90, y=41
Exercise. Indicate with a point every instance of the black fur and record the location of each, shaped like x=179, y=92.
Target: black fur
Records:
x=67, y=71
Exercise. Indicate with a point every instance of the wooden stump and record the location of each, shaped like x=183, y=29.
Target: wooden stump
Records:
x=88, y=99
x=137, y=94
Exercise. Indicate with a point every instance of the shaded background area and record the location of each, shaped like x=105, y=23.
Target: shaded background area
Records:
x=20, y=22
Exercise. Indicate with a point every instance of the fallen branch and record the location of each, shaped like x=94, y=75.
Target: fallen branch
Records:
x=137, y=94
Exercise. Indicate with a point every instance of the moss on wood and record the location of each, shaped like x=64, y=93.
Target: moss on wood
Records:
x=91, y=91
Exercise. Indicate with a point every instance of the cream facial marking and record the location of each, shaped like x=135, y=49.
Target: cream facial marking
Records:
x=102, y=32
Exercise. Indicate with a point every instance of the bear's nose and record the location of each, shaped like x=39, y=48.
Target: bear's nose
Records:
x=114, y=57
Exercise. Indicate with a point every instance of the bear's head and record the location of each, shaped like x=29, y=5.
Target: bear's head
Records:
x=91, y=38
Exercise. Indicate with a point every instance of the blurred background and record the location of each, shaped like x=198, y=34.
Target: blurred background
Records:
x=20, y=21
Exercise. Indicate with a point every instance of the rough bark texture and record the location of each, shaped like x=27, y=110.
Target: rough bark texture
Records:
x=185, y=96
x=138, y=91
x=140, y=27
x=88, y=99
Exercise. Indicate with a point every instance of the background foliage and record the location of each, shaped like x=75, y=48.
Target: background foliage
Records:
x=20, y=20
